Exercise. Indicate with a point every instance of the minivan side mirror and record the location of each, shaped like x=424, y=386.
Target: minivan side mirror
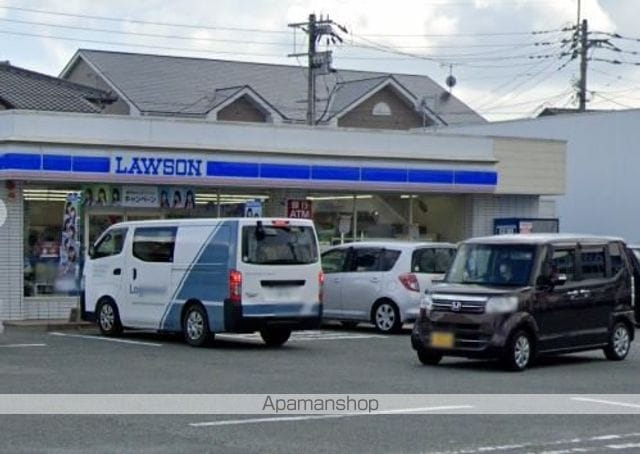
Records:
x=92, y=251
x=551, y=281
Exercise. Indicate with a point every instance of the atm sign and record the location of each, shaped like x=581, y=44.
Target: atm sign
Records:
x=300, y=209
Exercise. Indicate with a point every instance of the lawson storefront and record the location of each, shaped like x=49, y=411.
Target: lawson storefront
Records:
x=66, y=177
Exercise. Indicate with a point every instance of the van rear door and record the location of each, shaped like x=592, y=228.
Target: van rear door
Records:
x=280, y=265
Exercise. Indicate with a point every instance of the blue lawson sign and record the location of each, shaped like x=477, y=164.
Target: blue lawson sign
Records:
x=141, y=166
x=138, y=165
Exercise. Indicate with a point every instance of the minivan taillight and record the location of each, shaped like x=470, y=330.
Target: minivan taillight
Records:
x=410, y=282
x=320, y=286
x=235, y=286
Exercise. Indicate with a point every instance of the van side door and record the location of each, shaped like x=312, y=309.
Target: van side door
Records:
x=148, y=277
x=555, y=311
x=333, y=266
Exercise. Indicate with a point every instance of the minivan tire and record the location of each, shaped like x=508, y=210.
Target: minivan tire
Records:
x=195, y=326
x=108, y=318
x=518, y=353
x=275, y=337
x=619, y=342
x=429, y=357
x=386, y=317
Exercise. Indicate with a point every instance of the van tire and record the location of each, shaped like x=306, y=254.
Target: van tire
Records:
x=386, y=317
x=429, y=357
x=195, y=326
x=275, y=337
x=519, y=351
x=108, y=318
x=619, y=342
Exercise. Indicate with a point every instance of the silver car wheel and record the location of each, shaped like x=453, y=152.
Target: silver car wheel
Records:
x=195, y=325
x=522, y=351
x=385, y=317
x=107, y=317
x=621, y=341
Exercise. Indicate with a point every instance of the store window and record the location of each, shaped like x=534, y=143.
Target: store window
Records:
x=52, y=243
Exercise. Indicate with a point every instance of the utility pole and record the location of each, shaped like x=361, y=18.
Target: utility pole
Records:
x=318, y=62
x=584, y=47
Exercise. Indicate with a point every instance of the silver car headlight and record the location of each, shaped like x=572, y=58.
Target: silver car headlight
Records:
x=501, y=304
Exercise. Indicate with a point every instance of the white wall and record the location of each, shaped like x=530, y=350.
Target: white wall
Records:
x=603, y=168
x=11, y=255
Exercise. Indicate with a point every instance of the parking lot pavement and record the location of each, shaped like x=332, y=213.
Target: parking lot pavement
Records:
x=329, y=361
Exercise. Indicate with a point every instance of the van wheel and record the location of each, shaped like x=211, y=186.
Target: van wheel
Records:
x=518, y=351
x=386, y=317
x=619, y=343
x=275, y=337
x=429, y=357
x=195, y=326
x=109, y=319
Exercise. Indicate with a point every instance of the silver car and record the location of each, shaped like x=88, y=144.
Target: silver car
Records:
x=380, y=282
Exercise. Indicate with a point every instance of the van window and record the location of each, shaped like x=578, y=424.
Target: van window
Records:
x=333, y=261
x=492, y=264
x=564, y=262
x=276, y=245
x=388, y=259
x=110, y=244
x=154, y=244
x=365, y=259
x=592, y=265
x=432, y=260
x=615, y=255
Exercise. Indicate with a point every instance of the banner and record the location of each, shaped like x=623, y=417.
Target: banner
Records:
x=68, y=269
x=177, y=197
x=140, y=197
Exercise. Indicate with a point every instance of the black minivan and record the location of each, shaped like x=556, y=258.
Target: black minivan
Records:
x=513, y=297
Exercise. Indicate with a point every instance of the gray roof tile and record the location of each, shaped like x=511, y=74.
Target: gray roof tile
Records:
x=175, y=85
x=29, y=90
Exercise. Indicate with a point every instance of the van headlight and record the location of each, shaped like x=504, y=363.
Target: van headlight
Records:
x=501, y=304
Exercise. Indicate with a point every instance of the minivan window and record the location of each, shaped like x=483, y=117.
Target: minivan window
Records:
x=154, y=244
x=110, y=244
x=492, y=264
x=388, y=259
x=333, y=261
x=365, y=259
x=432, y=260
x=563, y=262
x=615, y=255
x=592, y=265
x=279, y=245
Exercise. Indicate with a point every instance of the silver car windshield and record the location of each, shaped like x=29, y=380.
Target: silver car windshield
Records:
x=492, y=264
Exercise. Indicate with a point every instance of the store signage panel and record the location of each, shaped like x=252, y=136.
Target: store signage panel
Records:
x=140, y=196
x=157, y=165
x=299, y=209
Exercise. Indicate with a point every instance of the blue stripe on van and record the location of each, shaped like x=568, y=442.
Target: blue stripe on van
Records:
x=249, y=310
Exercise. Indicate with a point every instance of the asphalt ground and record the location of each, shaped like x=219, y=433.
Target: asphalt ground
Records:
x=335, y=361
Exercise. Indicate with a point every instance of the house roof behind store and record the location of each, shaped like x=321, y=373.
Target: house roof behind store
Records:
x=29, y=90
x=173, y=85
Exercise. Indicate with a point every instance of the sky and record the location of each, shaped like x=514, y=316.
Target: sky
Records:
x=510, y=58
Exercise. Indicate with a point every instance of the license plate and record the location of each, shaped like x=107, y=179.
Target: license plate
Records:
x=442, y=340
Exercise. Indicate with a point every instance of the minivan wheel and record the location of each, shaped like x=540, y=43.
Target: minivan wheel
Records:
x=619, y=343
x=275, y=337
x=109, y=319
x=386, y=317
x=429, y=357
x=518, y=351
x=195, y=326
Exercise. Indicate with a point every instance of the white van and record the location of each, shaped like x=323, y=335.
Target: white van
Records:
x=205, y=276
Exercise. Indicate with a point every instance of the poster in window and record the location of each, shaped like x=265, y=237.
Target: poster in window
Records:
x=68, y=269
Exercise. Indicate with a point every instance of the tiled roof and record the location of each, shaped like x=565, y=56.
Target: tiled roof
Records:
x=29, y=90
x=175, y=85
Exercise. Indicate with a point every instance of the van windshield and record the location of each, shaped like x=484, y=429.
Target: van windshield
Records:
x=281, y=245
x=492, y=264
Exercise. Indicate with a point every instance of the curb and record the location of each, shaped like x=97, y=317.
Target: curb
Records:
x=48, y=326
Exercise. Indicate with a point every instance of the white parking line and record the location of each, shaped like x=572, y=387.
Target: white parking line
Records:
x=107, y=339
x=22, y=345
x=606, y=402
x=232, y=422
